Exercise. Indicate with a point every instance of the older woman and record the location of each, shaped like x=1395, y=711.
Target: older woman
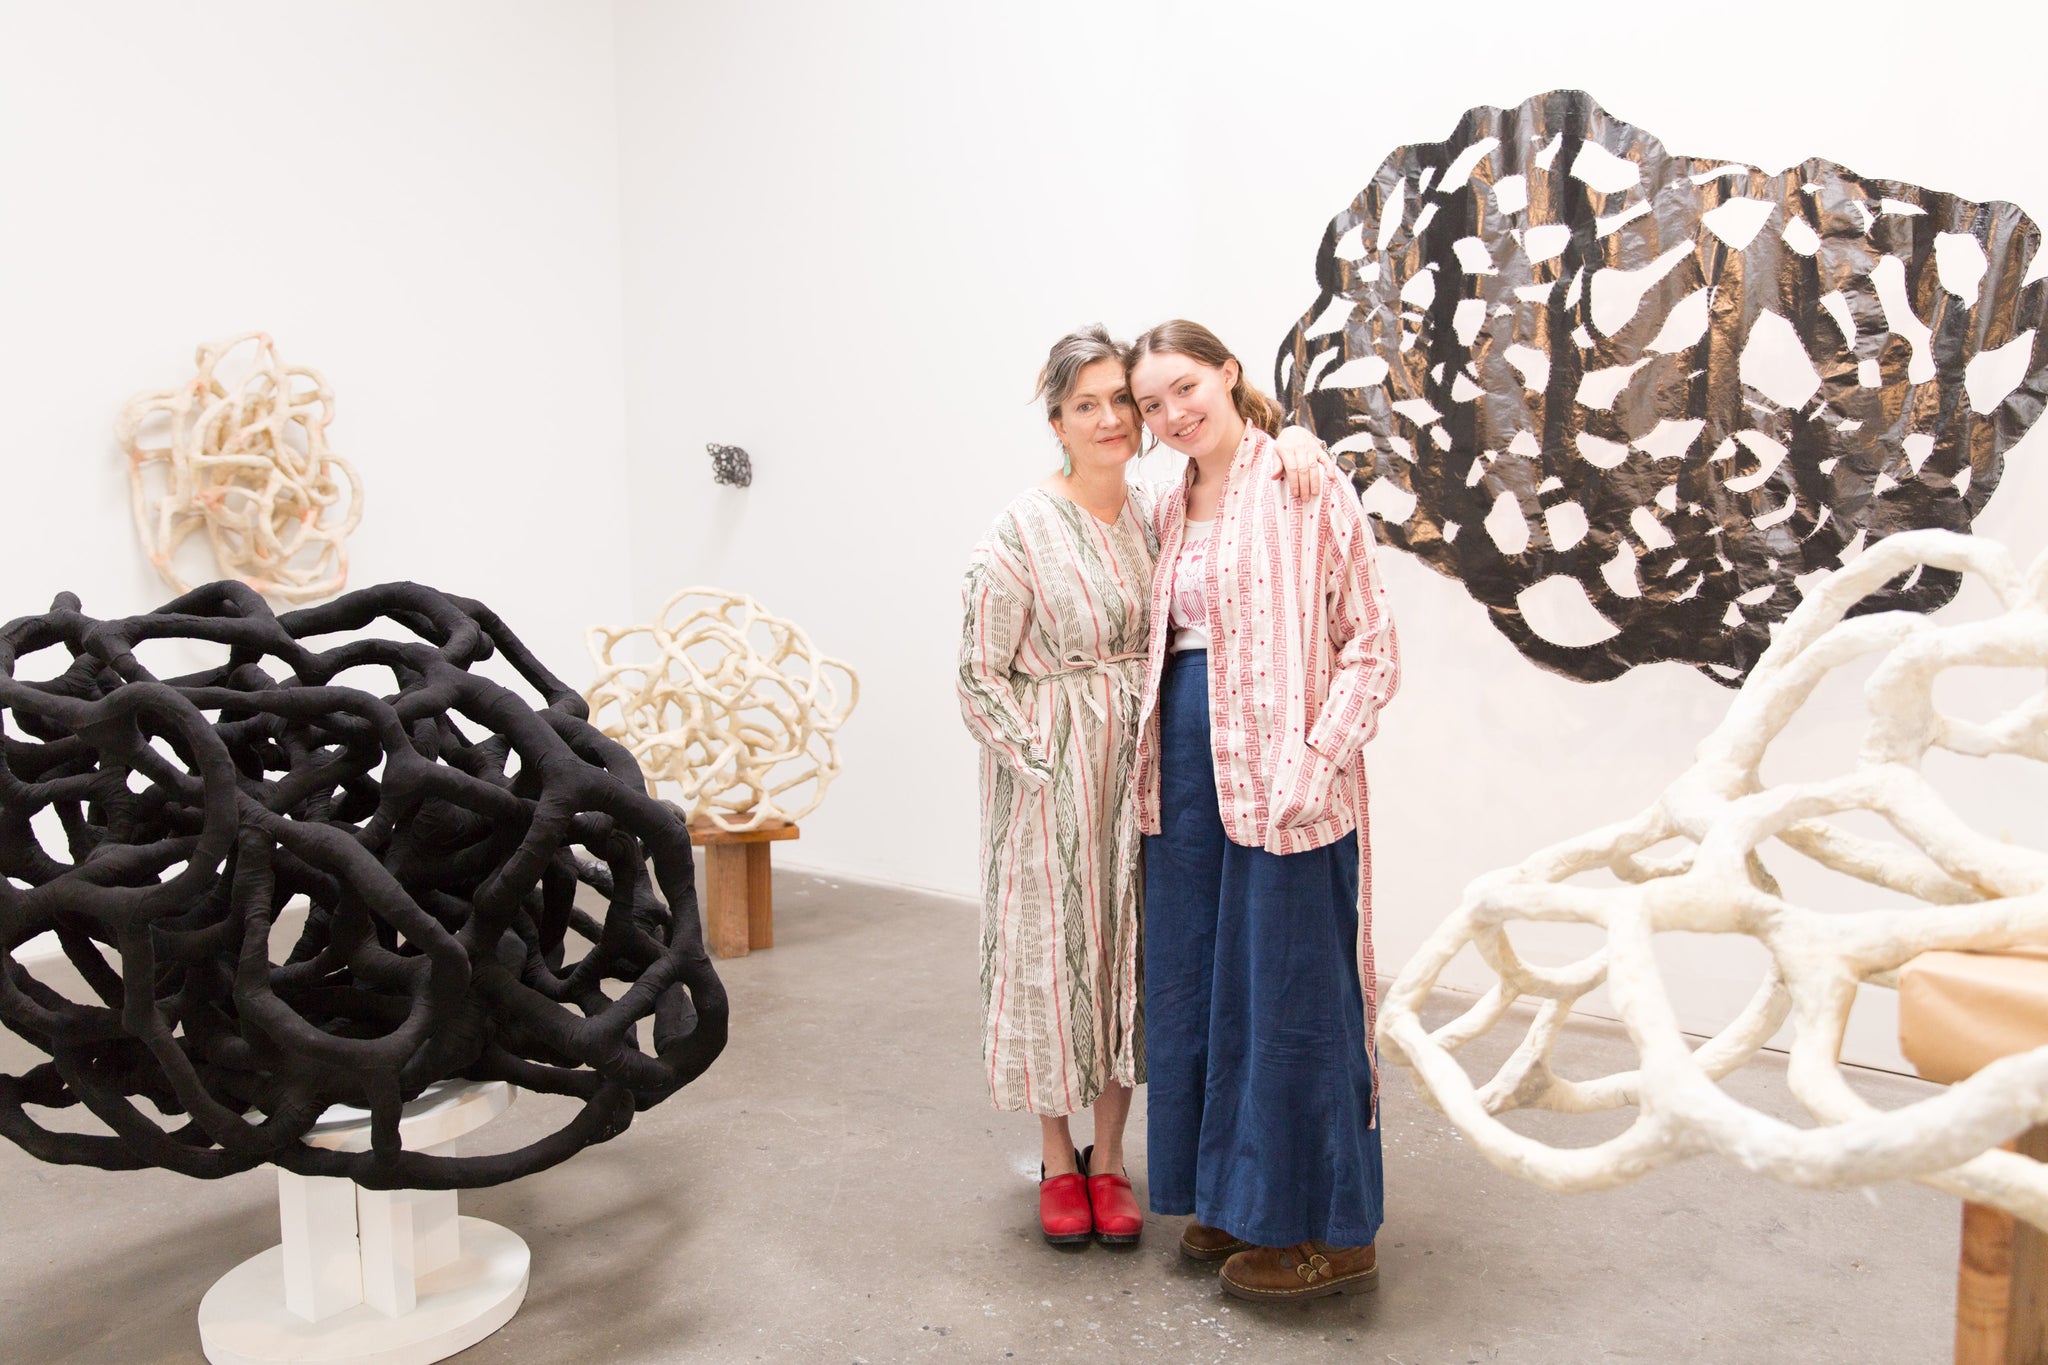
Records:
x=1052, y=666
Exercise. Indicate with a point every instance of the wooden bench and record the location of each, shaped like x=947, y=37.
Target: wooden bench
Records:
x=1958, y=1012
x=739, y=897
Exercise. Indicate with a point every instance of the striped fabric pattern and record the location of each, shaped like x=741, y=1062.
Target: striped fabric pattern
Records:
x=1052, y=659
x=1302, y=659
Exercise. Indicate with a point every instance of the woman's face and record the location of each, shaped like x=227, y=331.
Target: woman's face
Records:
x=1097, y=423
x=1187, y=404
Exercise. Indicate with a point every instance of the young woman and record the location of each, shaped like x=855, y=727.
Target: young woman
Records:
x=1271, y=653
x=1052, y=667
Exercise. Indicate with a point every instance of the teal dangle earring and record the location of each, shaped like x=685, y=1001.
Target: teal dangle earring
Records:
x=1066, y=461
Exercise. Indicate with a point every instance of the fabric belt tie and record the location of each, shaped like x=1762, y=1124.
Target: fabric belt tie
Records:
x=1077, y=667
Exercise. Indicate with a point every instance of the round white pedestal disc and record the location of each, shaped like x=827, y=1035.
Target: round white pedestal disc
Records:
x=243, y=1320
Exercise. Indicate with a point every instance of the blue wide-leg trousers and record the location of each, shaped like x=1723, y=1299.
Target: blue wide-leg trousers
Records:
x=1259, y=1107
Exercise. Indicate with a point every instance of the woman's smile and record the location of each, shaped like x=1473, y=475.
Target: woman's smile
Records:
x=1177, y=398
x=1097, y=421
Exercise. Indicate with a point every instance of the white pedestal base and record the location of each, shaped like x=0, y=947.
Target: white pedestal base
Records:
x=243, y=1319
x=382, y=1277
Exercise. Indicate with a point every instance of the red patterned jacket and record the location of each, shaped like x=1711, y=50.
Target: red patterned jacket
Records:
x=1302, y=656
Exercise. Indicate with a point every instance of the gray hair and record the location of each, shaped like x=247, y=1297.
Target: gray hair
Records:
x=1070, y=355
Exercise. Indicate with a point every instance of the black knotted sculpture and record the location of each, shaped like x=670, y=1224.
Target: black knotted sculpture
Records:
x=730, y=465
x=436, y=830
x=1558, y=356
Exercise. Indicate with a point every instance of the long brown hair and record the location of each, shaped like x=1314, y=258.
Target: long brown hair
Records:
x=1198, y=343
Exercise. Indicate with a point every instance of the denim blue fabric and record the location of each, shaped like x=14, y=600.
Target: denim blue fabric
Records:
x=1259, y=1111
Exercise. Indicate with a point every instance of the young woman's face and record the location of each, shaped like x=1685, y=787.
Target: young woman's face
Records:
x=1097, y=423
x=1187, y=404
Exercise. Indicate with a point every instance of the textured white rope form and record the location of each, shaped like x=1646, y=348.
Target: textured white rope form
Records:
x=249, y=467
x=736, y=707
x=1977, y=893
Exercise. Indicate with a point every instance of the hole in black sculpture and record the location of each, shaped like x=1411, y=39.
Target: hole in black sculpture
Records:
x=440, y=861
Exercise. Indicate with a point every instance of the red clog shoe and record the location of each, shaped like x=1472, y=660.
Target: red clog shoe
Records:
x=1119, y=1222
x=1063, y=1213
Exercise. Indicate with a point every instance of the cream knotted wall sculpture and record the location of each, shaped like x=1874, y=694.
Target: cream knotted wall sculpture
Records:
x=1972, y=892
x=249, y=467
x=735, y=706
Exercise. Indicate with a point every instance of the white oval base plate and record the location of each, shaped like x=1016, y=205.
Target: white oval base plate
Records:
x=243, y=1320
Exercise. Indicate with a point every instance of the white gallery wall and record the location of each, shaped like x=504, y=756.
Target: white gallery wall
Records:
x=418, y=200
x=546, y=251
x=851, y=232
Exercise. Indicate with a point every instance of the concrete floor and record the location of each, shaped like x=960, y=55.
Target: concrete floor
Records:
x=837, y=1189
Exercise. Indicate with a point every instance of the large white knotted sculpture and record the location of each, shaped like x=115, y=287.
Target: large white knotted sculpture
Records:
x=1974, y=892
x=736, y=707
x=250, y=467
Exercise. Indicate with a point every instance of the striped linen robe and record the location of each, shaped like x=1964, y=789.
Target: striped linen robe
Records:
x=1302, y=658
x=1052, y=660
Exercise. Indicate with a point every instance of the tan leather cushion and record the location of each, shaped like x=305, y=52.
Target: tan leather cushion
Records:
x=1960, y=1011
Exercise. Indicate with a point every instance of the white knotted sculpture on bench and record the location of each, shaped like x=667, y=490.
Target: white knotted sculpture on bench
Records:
x=1975, y=892
x=248, y=466
x=736, y=707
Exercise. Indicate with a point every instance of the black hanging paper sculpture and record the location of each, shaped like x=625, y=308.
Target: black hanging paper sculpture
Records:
x=1563, y=362
x=730, y=465
x=434, y=824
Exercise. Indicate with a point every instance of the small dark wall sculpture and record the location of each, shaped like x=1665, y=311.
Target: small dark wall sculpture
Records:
x=1558, y=358
x=432, y=818
x=730, y=465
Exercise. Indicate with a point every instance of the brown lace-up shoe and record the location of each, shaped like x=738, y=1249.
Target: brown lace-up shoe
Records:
x=1201, y=1243
x=1307, y=1271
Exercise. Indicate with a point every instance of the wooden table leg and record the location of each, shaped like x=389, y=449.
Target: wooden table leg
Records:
x=760, y=898
x=1984, y=1285
x=2002, y=1282
x=739, y=894
x=725, y=899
